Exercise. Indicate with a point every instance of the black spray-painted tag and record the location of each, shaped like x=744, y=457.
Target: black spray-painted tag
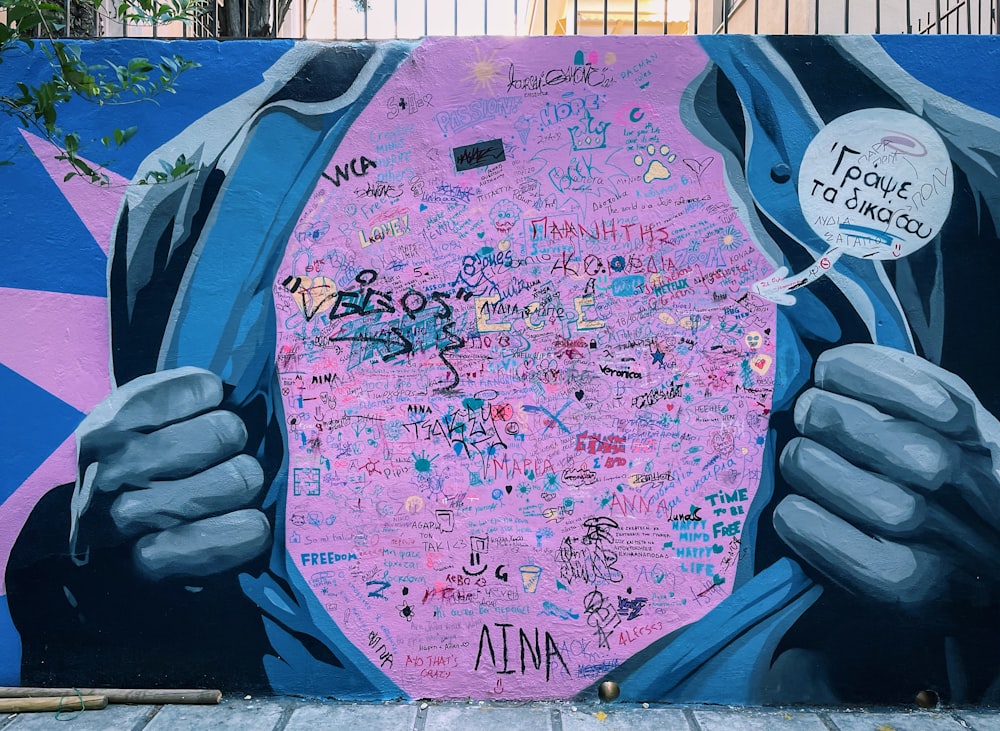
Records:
x=478, y=155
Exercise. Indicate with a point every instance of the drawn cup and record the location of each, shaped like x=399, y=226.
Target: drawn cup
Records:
x=529, y=577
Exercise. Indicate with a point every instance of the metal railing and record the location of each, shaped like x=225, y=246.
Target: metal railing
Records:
x=378, y=19
x=964, y=17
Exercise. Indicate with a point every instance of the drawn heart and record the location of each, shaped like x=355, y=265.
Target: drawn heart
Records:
x=312, y=294
x=509, y=489
x=698, y=166
x=579, y=395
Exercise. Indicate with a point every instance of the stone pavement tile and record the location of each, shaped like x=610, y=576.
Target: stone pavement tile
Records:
x=359, y=717
x=488, y=718
x=624, y=719
x=748, y=719
x=227, y=716
x=898, y=721
x=981, y=720
x=112, y=717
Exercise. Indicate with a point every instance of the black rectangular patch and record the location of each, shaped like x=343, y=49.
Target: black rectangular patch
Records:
x=478, y=155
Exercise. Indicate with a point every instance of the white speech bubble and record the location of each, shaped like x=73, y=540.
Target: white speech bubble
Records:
x=876, y=183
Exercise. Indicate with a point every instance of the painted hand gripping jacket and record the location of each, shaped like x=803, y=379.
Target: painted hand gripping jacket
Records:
x=494, y=368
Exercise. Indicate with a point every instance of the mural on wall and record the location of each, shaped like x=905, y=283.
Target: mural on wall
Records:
x=492, y=368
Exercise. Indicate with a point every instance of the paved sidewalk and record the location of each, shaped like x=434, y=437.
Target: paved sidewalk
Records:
x=286, y=714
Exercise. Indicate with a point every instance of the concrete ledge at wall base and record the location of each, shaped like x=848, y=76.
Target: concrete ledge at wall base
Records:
x=291, y=714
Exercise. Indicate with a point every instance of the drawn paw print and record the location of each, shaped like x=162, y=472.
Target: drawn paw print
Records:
x=656, y=170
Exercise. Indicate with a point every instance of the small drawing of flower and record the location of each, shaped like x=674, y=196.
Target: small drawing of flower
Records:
x=732, y=238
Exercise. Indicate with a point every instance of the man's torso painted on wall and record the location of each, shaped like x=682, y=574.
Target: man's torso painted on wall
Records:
x=525, y=381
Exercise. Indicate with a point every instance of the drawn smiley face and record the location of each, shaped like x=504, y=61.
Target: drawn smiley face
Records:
x=504, y=215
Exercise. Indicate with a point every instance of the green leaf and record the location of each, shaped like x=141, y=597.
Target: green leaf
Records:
x=121, y=136
x=49, y=115
x=138, y=79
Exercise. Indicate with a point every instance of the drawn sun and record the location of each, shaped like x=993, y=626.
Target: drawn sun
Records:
x=732, y=238
x=484, y=71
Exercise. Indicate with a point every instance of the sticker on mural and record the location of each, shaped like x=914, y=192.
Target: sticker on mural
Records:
x=874, y=184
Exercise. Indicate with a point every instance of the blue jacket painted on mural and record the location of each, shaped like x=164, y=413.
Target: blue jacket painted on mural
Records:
x=287, y=642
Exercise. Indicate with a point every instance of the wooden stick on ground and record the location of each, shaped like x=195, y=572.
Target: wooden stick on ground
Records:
x=67, y=703
x=141, y=696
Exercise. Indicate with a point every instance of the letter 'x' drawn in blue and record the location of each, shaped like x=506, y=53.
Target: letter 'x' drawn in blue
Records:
x=553, y=418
